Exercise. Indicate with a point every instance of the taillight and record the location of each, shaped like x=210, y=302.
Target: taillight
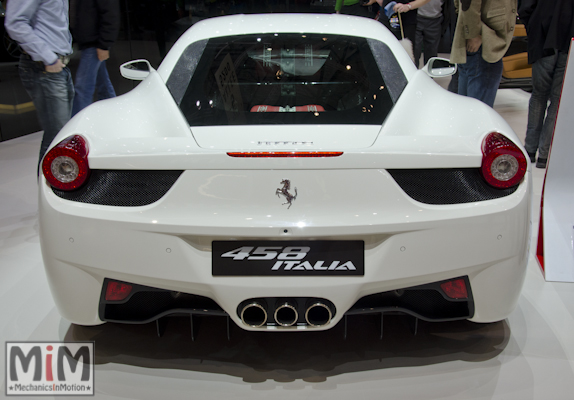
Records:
x=503, y=163
x=116, y=291
x=66, y=165
x=455, y=289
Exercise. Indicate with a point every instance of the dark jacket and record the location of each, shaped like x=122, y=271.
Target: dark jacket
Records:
x=549, y=26
x=449, y=16
x=95, y=23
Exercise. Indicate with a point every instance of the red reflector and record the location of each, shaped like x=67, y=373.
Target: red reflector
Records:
x=117, y=291
x=455, y=289
x=279, y=154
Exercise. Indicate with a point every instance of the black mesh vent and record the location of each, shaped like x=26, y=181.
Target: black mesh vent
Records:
x=147, y=306
x=447, y=186
x=122, y=188
x=428, y=302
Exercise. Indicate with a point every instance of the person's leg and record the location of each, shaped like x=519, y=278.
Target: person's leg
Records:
x=462, y=79
x=432, y=38
x=541, y=87
x=419, y=38
x=467, y=72
x=484, y=84
x=103, y=83
x=86, y=76
x=58, y=91
x=52, y=95
x=30, y=72
x=555, y=93
x=453, y=84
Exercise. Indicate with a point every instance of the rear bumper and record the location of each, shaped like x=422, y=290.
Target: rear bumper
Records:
x=167, y=244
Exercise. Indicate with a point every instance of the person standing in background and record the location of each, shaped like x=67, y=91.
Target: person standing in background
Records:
x=429, y=30
x=41, y=28
x=408, y=16
x=483, y=34
x=550, y=28
x=95, y=25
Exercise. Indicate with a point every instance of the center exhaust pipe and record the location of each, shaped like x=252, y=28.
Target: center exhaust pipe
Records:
x=286, y=313
x=318, y=314
x=254, y=314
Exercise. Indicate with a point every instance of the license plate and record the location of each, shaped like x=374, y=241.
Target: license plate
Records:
x=288, y=258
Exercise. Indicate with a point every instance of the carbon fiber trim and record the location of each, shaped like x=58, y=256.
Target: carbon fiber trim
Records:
x=390, y=69
x=122, y=188
x=447, y=186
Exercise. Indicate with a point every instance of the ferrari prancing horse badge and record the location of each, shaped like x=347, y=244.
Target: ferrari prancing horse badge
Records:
x=285, y=192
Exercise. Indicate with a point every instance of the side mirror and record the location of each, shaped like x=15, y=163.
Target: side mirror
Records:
x=439, y=67
x=136, y=70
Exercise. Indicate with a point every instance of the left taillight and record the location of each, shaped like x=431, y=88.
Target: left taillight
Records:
x=503, y=163
x=65, y=166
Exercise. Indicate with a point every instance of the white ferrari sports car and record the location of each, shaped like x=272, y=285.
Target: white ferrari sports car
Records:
x=285, y=171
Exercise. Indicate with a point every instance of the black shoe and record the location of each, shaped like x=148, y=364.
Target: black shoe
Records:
x=532, y=157
x=541, y=163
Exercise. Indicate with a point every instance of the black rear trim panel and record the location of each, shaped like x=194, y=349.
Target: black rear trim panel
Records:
x=427, y=302
x=146, y=304
x=122, y=188
x=447, y=186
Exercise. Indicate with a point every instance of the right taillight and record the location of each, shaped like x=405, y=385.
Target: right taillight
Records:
x=503, y=163
x=65, y=166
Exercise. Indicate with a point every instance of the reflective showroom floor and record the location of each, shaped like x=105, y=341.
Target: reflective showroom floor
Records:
x=528, y=356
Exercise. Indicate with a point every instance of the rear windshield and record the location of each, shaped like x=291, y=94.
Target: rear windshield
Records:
x=286, y=79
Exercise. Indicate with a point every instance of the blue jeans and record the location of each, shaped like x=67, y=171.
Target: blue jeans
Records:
x=92, y=74
x=479, y=79
x=52, y=94
x=547, y=78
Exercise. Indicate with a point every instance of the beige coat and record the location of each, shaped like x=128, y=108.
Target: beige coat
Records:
x=494, y=20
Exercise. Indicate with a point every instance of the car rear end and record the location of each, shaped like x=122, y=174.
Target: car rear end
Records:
x=302, y=192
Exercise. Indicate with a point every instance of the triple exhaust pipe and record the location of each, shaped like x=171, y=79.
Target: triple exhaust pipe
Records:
x=255, y=313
